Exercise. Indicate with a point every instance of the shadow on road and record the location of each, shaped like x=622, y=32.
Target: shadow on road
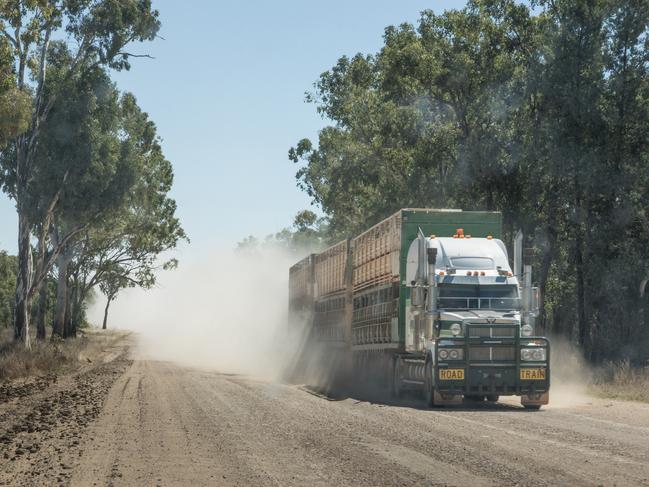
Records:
x=410, y=399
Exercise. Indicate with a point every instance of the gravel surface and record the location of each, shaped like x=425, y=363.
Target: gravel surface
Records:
x=129, y=422
x=44, y=420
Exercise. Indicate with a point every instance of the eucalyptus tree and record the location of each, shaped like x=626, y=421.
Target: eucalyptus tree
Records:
x=539, y=113
x=585, y=133
x=423, y=122
x=128, y=244
x=88, y=163
x=96, y=33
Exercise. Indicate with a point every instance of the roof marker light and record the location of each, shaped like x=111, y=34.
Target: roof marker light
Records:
x=490, y=237
x=483, y=273
x=468, y=273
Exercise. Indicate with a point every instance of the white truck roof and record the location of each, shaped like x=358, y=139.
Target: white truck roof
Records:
x=483, y=255
x=474, y=254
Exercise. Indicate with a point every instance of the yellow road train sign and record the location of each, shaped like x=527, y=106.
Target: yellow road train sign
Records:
x=533, y=374
x=451, y=374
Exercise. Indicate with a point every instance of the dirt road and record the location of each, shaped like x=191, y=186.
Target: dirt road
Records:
x=162, y=424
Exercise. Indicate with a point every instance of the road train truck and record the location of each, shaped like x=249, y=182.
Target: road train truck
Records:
x=427, y=300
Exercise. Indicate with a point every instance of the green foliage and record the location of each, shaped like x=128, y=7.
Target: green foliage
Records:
x=86, y=165
x=539, y=114
x=15, y=104
x=422, y=122
x=123, y=247
x=74, y=38
x=8, y=269
x=309, y=233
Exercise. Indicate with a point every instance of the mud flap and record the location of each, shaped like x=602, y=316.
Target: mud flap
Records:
x=446, y=399
x=540, y=399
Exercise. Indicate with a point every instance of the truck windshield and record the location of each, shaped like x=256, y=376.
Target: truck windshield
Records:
x=467, y=296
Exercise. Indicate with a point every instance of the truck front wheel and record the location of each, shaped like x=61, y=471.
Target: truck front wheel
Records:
x=429, y=393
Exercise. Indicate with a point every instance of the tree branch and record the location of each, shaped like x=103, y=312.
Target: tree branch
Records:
x=42, y=67
x=49, y=262
x=128, y=54
x=9, y=36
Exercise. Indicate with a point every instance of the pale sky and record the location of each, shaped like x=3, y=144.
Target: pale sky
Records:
x=226, y=91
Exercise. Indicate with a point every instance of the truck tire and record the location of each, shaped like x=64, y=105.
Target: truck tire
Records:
x=493, y=397
x=474, y=398
x=429, y=393
x=532, y=407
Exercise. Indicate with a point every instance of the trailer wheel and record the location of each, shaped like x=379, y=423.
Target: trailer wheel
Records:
x=493, y=397
x=474, y=398
x=429, y=393
x=532, y=407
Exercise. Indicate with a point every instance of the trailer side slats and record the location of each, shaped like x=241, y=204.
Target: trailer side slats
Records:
x=330, y=268
x=376, y=254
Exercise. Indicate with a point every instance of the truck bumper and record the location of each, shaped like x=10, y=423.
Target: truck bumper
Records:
x=493, y=366
x=491, y=379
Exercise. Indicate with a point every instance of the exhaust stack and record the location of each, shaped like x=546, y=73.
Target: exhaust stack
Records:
x=518, y=255
x=431, y=295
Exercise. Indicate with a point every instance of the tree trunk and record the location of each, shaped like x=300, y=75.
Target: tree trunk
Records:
x=67, y=327
x=61, y=296
x=110, y=298
x=42, y=312
x=583, y=331
x=642, y=319
x=72, y=313
x=23, y=282
x=544, y=273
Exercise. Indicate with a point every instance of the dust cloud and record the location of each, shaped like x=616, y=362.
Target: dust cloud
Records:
x=571, y=375
x=228, y=311
x=220, y=309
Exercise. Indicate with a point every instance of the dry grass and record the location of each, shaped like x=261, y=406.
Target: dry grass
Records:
x=620, y=380
x=49, y=356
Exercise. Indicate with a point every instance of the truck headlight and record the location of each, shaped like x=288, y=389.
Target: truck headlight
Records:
x=451, y=354
x=456, y=329
x=527, y=330
x=533, y=354
x=539, y=354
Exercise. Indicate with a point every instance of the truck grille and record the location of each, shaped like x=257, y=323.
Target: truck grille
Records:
x=492, y=354
x=492, y=332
